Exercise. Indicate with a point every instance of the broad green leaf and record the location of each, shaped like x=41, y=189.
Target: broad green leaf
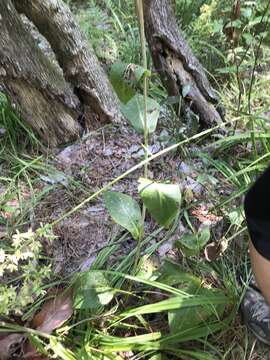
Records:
x=92, y=291
x=188, y=244
x=124, y=79
x=172, y=274
x=203, y=237
x=125, y=211
x=161, y=200
x=192, y=244
x=123, y=88
x=255, y=21
x=188, y=318
x=134, y=112
x=171, y=100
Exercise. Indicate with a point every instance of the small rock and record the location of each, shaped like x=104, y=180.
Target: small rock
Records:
x=107, y=152
x=56, y=178
x=196, y=187
x=184, y=168
x=69, y=155
x=165, y=248
x=134, y=148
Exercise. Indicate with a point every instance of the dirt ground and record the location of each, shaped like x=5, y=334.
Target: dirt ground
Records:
x=101, y=156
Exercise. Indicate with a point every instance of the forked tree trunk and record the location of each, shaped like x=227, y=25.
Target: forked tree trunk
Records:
x=33, y=83
x=80, y=65
x=52, y=100
x=176, y=64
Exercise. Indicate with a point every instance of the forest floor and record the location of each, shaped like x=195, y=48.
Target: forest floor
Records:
x=74, y=173
x=58, y=187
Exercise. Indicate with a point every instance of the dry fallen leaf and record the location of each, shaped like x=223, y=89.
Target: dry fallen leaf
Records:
x=9, y=344
x=215, y=249
x=52, y=316
x=204, y=216
x=54, y=313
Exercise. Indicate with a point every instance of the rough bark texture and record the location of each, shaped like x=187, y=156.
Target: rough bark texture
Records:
x=176, y=64
x=75, y=56
x=34, y=84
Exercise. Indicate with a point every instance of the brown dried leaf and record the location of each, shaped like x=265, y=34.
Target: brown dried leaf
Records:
x=203, y=214
x=215, y=249
x=54, y=313
x=9, y=344
x=52, y=316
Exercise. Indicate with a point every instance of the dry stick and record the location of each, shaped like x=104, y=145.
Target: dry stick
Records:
x=138, y=166
x=139, y=7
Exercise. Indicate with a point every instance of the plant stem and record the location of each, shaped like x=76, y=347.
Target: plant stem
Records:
x=139, y=7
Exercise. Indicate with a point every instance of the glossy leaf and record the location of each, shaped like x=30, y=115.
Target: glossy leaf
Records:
x=125, y=211
x=134, y=112
x=161, y=200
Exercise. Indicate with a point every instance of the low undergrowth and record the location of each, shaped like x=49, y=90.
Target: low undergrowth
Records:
x=139, y=304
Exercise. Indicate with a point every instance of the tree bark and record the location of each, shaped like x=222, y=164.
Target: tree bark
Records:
x=76, y=57
x=176, y=64
x=34, y=84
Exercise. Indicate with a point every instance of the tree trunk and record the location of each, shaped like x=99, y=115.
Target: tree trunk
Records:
x=75, y=56
x=176, y=64
x=33, y=83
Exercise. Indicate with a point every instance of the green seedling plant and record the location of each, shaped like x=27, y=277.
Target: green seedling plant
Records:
x=95, y=289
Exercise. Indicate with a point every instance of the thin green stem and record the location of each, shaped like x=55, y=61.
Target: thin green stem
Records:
x=139, y=6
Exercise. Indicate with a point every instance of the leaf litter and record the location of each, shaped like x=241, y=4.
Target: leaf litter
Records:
x=98, y=158
x=89, y=165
